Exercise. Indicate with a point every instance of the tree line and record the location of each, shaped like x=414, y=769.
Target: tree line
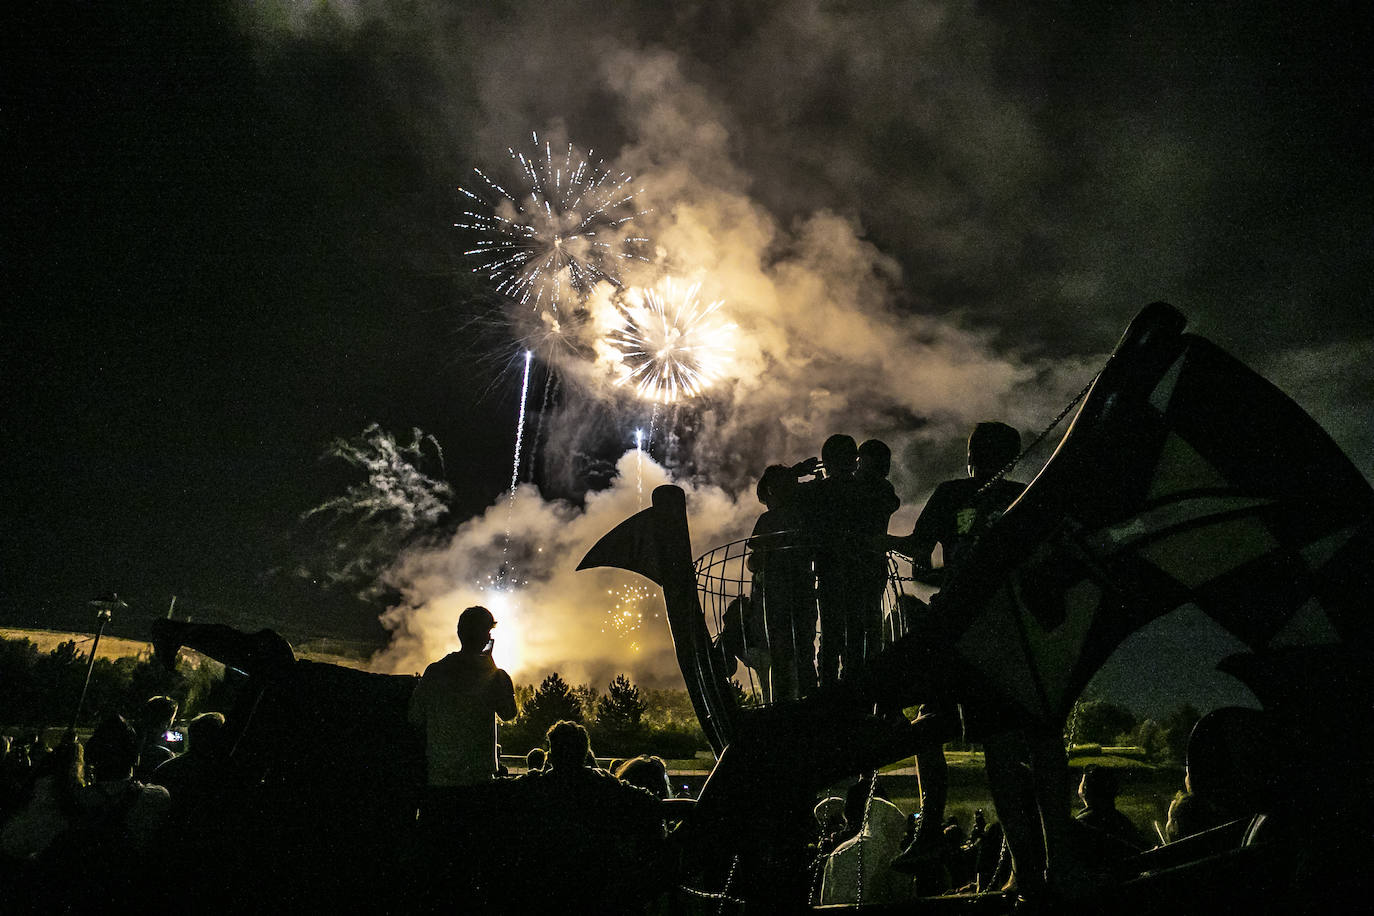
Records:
x=1097, y=721
x=41, y=689
x=624, y=721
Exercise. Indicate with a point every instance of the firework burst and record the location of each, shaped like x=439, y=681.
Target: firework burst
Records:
x=670, y=345
x=559, y=234
x=625, y=616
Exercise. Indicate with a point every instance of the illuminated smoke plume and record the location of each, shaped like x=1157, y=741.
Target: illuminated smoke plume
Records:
x=552, y=617
x=360, y=533
x=559, y=230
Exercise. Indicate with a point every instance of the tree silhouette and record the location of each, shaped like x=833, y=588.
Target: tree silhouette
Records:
x=1101, y=722
x=587, y=695
x=553, y=700
x=619, y=712
x=1178, y=725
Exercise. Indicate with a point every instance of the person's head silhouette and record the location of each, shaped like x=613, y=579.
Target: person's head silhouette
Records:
x=569, y=745
x=776, y=486
x=839, y=455
x=474, y=629
x=875, y=458
x=1099, y=787
x=991, y=447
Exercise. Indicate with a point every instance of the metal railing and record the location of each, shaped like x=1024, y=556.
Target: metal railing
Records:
x=754, y=641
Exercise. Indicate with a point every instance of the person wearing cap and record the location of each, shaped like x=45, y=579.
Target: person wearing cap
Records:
x=957, y=514
x=456, y=704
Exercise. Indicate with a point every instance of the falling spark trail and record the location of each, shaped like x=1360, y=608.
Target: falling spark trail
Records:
x=639, y=465
x=519, y=440
x=653, y=423
x=520, y=426
x=550, y=388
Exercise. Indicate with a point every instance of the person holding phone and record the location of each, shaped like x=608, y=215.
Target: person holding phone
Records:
x=456, y=704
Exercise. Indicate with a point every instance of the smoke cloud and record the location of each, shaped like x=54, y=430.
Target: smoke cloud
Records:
x=359, y=533
x=919, y=216
x=518, y=559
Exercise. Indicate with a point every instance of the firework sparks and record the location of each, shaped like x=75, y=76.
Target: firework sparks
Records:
x=560, y=234
x=639, y=464
x=671, y=346
x=625, y=616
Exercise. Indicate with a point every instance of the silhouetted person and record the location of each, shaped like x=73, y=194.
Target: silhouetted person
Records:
x=46, y=805
x=954, y=517
x=648, y=773
x=117, y=826
x=534, y=760
x=783, y=584
x=205, y=823
x=456, y=704
x=594, y=845
x=832, y=508
x=877, y=500
x=201, y=769
x=1098, y=789
x=858, y=871
x=742, y=638
x=1231, y=772
x=156, y=746
x=960, y=510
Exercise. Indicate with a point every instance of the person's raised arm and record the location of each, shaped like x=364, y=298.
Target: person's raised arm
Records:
x=925, y=534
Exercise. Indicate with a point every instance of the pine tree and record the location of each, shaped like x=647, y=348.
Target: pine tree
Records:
x=619, y=712
x=587, y=695
x=554, y=700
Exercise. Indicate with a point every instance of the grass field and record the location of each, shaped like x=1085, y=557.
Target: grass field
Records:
x=114, y=647
x=1146, y=790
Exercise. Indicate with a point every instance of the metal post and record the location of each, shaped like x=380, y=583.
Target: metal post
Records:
x=103, y=615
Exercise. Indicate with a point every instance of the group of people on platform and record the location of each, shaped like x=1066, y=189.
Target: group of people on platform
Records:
x=818, y=556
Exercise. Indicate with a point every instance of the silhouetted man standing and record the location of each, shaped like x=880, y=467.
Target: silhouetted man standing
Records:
x=954, y=517
x=960, y=510
x=456, y=704
x=877, y=501
x=832, y=508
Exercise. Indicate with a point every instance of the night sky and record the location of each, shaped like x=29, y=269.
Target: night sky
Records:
x=228, y=242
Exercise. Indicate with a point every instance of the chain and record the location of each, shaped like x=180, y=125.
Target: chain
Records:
x=723, y=896
x=859, y=840
x=708, y=895
x=1006, y=469
x=729, y=880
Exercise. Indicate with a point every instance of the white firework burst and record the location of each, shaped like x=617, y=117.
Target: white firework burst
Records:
x=671, y=346
x=561, y=232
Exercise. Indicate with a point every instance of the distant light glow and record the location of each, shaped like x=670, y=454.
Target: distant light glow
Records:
x=503, y=600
